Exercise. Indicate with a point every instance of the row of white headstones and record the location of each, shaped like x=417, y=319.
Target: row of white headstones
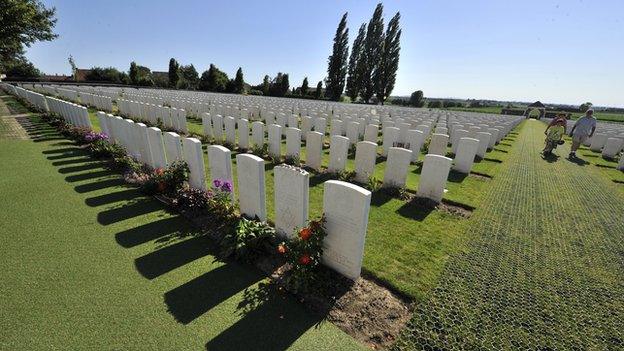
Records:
x=436, y=166
x=345, y=206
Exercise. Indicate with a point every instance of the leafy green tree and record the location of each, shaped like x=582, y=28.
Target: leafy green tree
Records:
x=280, y=85
x=304, y=87
x=21, y=68
x=417, y=99
x=435, y=104
x=174, y=67
x=160, y=81
x=585, y=106
x=189, y=78
x=23, y=22
x=214, y=80
x=385, y=75
x=319, y=90
x=266, y=85
x=133, y=73
x=337, y=62
x=373, y=46
x=354, y=80
x=107, y=74
x=239, y=82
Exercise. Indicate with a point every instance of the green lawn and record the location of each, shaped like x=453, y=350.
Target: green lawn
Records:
x=420, y=240
x=90, y=264
x=542, y=269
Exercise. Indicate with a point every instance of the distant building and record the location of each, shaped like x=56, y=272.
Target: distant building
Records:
x=81, y=74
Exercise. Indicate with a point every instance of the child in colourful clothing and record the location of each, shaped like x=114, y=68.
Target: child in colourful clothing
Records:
x=554, y=134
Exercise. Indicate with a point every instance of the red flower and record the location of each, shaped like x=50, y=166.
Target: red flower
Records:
x=305, y=233
x=305, y=259
x=282, y=249
x=159, y=171
x=161, y=187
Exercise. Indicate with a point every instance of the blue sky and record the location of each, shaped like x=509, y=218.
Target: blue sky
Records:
x=565, y=51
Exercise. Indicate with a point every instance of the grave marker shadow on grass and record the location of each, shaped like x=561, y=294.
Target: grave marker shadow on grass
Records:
x=109, y=198
x=127, y=211
x=99, y=185
x=159, y=262
x=72, y=161
x=270, y=321
x=80, y=168
x=100, y=173
x=418, y=209
x=151, y=231
x=196, y=297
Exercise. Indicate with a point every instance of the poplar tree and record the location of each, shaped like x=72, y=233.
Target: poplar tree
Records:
x=385, y=75
x=319, y=90
x=239, y=82
x=354, y=80
x=372, y=53
x=173, y=72
x=304, y=87
x=133, y=73
x=266, y=85
x=337, y=62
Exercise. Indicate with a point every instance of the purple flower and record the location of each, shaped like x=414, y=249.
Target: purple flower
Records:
x=227, y=186
x=216, y=183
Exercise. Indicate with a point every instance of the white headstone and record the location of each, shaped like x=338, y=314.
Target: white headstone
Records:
x=230, y=130
x=484, y=141
x=415, y=139
x=336, y=127
x=207, y=125
x=365, y=158
x=217, y=128
x=612, y=147
x=220, y=162
x=390, y=137
x=291, y=198
x=371, y=133
x=346, y=208
x=275, y=140
x=251, y=193
x=319, y=125
x=193, y=155
x=243, y=134
x=314, y=150
x=338, y=152
x=173, y=147
x=257, y=133
x=293, y=142
x=438, y=144
x=433, y=177
x=465, y=154
x=157, y=150
x=397, y=166
x=352, y=132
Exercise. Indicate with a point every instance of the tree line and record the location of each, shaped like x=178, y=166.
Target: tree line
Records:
x=369, y=73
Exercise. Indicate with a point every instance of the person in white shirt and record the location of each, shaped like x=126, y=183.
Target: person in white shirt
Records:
x=583, y=128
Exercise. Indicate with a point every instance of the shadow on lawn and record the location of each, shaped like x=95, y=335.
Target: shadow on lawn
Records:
x=270, y=320
x=415, y=210
x=147, y=232
x=159, y=262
